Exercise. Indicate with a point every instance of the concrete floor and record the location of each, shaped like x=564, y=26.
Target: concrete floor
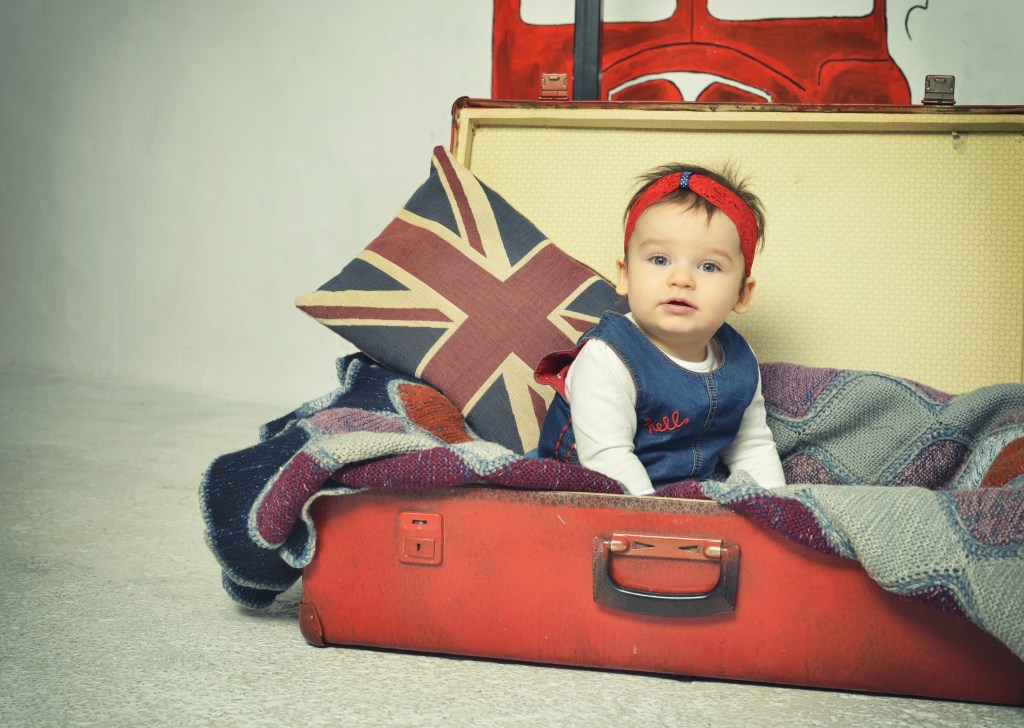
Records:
x=113, y=613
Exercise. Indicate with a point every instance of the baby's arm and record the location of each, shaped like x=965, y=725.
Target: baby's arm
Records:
x=754, y=448
x=602, y=399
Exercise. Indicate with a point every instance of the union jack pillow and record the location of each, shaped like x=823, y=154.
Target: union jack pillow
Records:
x=463, y=292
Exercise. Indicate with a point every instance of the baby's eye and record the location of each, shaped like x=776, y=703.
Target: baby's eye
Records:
x=659, y=260
x=709, y=267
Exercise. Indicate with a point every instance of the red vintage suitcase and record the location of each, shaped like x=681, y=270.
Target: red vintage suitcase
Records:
x=646, y=584
x=690, y=587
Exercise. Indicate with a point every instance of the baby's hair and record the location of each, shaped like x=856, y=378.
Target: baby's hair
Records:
x=687, y=198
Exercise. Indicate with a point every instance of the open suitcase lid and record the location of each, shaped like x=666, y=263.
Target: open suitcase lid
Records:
x=895, y=235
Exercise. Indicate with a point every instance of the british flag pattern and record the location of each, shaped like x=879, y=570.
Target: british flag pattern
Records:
x=463, y=292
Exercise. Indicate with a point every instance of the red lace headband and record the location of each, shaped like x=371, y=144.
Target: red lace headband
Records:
x=721, y=197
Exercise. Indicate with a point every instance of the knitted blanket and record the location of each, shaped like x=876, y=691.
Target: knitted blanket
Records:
x=924, y=489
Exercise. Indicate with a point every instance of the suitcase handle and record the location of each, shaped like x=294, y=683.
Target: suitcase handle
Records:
x=719, y=600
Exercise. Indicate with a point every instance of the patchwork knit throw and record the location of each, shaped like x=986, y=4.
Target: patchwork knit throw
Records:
x=924, y=489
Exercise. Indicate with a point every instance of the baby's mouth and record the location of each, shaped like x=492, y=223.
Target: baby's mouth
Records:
x=679, y=305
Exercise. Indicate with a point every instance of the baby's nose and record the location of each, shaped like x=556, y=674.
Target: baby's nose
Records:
x=681, y=275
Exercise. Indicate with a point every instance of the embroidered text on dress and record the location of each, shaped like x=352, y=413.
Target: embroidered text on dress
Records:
x=667, y=423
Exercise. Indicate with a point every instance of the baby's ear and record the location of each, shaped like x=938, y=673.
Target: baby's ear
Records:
x=622, y=287
x=746, y=293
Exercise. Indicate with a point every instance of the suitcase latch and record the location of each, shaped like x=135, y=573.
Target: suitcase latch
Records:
x=554, y=85
x=420, y=538
x=939, y=90
x=665, y=547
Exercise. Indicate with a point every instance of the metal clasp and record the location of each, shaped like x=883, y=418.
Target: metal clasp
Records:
x=420, y=538
x=939, y=90
x=554, y=85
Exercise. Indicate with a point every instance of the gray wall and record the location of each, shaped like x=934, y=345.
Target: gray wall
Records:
x=173, y=174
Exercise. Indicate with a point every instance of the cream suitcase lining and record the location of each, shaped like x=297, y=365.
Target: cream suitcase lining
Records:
x=895, y=239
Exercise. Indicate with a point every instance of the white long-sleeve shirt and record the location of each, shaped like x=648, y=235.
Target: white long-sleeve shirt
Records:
x=604, y=422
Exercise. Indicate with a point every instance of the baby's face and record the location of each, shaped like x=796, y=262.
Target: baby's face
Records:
x=683, y=274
